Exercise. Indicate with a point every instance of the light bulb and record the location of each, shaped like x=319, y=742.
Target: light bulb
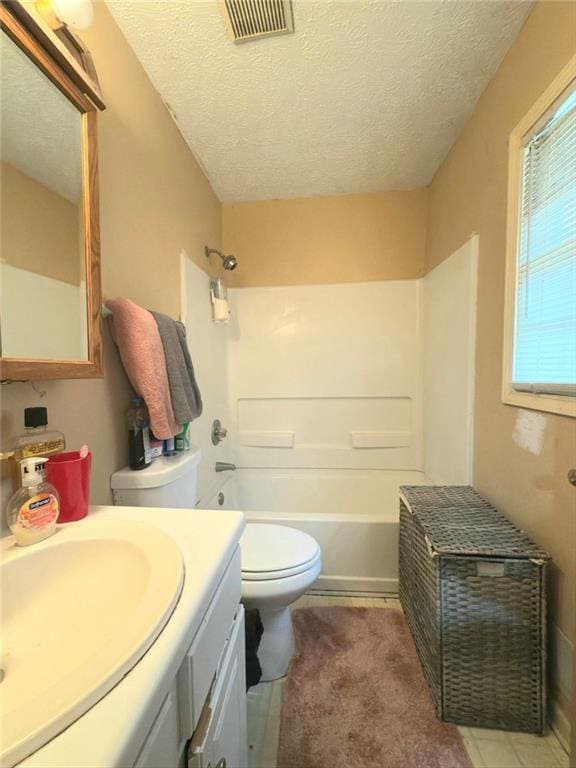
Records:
x=75, y=13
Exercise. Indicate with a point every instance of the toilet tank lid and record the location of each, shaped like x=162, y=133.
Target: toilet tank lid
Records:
x=163, y=471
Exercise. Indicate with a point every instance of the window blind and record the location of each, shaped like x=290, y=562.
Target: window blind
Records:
x=544, y=356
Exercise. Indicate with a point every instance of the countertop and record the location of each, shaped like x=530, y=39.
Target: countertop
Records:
x=109, y=734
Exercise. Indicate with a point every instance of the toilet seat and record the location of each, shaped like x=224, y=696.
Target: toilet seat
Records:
x=271, y=552
x=280, y=574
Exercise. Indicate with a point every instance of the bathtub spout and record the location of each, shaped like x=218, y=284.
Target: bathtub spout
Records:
x=222, y=466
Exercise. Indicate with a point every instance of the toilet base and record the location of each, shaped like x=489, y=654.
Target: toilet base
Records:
x=277, y=644
x=273, y=598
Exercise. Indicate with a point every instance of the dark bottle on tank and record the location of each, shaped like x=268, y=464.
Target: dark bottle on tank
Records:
x=139, y=435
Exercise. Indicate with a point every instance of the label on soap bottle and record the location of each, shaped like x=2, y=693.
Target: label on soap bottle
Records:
x=40, y=511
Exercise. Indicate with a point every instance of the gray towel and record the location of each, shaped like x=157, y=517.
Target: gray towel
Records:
x=186, y=398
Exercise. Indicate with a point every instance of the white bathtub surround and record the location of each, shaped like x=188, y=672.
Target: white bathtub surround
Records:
x=352, y=514
x=448, y=344
x=207, y=342
x=327, y=376
x=331, y=376
x=327, y=397
x=359, y=375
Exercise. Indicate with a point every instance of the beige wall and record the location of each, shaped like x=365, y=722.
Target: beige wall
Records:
x=348, y=238
x=40, y=229
x=154, y=201
x=468, y=195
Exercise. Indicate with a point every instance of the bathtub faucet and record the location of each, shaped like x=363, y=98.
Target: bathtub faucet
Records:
x=223, y=466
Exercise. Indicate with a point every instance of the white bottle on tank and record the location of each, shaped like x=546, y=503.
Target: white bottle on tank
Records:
x=170, y=481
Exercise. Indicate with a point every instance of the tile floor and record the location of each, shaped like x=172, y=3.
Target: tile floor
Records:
x=487, y=749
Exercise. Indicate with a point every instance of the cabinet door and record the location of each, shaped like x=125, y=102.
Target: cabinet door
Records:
x=229, y=742
x=161, y=747
x=223, y=740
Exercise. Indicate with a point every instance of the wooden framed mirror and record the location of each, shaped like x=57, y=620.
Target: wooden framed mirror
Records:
x=50, y=308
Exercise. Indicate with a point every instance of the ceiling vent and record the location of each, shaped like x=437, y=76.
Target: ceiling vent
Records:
x=251, y=19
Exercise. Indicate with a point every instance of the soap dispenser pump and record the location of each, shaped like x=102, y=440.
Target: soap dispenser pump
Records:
x=33, y=510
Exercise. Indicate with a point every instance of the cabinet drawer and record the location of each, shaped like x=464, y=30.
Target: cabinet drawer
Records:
x=201, y=662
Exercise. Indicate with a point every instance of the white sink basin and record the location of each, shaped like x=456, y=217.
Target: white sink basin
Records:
x=78, y=611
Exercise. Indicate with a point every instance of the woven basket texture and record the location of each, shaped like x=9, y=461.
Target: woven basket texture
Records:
x=472, y=586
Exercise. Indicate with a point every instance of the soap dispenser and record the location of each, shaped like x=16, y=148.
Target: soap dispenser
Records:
x=33, y=510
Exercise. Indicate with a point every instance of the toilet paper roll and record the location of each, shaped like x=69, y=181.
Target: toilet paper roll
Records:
x=220, y=310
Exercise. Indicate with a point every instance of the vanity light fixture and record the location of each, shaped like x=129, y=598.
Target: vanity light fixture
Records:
x=77, y=14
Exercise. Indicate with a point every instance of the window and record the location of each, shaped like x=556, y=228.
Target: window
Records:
x=540, y=348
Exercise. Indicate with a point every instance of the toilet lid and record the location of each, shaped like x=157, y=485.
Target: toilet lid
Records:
x=272, y=548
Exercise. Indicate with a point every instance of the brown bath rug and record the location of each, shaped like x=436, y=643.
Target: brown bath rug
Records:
x=355, y=696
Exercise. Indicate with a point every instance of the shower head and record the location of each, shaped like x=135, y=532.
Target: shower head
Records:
x=228, y=262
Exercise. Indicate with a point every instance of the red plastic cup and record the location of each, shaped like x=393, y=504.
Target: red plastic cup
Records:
x=70, y=475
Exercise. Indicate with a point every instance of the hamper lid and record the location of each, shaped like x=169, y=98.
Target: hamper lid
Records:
x=458, y=521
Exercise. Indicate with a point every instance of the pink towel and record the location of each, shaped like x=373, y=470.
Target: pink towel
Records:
x=136, y=334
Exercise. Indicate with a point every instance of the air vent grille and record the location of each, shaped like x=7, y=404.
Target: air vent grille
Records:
x=250, y=19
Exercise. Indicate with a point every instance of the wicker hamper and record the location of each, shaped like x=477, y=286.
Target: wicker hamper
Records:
x=473, y=589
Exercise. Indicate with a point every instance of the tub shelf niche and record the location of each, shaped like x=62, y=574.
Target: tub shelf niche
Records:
x=267, y=439
x=381, y=439
x=377, y=431
x=362, y=440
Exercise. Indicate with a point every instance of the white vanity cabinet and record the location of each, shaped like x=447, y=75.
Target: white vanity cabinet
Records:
x=201, y=723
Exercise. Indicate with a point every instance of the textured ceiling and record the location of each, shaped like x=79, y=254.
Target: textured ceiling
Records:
x=41, y=129
x=366, y=96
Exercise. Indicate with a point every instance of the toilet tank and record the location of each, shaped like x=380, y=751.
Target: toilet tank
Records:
x=170, y=481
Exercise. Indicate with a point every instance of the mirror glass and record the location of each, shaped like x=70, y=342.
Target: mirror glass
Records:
x=42, y=272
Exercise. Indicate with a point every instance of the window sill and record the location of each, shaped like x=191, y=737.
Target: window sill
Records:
x=563, y=406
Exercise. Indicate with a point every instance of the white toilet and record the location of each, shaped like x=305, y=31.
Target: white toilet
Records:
x=279, y=564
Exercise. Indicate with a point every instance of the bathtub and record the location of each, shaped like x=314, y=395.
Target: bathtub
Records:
x=353, y=514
